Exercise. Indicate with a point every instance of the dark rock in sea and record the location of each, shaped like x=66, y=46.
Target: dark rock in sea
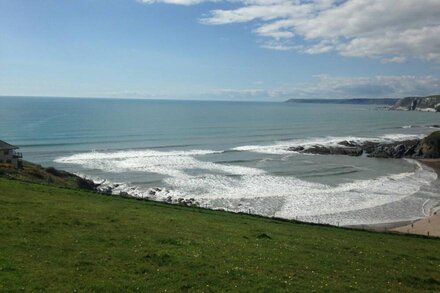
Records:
x=410, y=151
x=187, y=202
x=296, y=149
x=400, y=150
x=318, y=149
x=369, y=146
x=414, y=148
x=394, y=150
x=382, y=152
x=349, y=151
x=156, y=190
x=348, y=143
x=330, y=150
x=107, y=189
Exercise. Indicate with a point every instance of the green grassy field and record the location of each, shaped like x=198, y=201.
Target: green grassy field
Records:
x=65, y=240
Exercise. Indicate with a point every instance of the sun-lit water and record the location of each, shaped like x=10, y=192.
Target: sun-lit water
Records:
x=231, y=155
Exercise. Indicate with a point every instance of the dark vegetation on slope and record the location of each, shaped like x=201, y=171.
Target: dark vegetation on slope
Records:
x=35, y=173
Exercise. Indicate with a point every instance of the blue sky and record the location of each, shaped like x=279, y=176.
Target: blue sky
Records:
x=267, y=50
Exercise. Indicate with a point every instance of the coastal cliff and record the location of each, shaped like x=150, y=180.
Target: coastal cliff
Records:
x=426, y=104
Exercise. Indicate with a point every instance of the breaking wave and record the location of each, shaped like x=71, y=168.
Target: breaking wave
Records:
x=238, y=188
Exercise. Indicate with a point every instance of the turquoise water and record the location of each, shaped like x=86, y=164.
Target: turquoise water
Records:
x=231, y=155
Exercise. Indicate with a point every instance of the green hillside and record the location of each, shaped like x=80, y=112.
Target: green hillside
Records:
x=60, y=240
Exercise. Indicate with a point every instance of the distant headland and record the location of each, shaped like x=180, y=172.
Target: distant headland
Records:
x=426, y=104
x=388, y=102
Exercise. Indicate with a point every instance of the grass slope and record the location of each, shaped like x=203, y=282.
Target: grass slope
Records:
x=64, y=240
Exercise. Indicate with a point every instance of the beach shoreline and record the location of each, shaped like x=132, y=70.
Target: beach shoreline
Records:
x=420, y=226
x=427, y=226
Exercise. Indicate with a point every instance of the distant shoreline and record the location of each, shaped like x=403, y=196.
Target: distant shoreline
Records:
x=384, y=102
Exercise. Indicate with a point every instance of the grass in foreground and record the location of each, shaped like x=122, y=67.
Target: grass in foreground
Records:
x=63, y=240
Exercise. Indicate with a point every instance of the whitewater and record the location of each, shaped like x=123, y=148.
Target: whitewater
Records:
x=245, y=189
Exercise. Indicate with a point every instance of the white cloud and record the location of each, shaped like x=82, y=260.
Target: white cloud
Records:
x=176, y=2
x=368, y=87
x=396, y=59
x=387, y=29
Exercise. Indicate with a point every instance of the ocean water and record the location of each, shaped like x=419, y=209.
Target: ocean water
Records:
x=231, y=155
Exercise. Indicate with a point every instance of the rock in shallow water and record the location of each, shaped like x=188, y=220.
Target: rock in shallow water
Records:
x=429, y=147
x=324, y=150
x=394, y=150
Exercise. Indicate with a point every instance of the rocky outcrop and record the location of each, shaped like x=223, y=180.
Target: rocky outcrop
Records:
x=86, y=184
x=429, y=147
x=328, y=150
x=427, y=104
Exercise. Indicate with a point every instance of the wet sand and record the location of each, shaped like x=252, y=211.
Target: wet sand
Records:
x=429, y=226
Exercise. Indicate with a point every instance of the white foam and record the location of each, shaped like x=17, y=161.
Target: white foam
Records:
x=295, y=197
x=173, y=163
x=303, y=198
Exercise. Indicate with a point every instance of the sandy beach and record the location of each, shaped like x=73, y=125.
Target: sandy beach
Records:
x=429, y=226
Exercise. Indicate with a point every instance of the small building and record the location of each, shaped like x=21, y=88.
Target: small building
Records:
x=8, y=155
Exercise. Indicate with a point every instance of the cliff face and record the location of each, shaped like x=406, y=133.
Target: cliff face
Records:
x=429, y=104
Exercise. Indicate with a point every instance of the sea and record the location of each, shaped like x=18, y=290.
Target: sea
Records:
x=231, y=155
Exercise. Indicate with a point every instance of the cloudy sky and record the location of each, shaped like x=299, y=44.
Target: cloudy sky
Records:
x=268, y=50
